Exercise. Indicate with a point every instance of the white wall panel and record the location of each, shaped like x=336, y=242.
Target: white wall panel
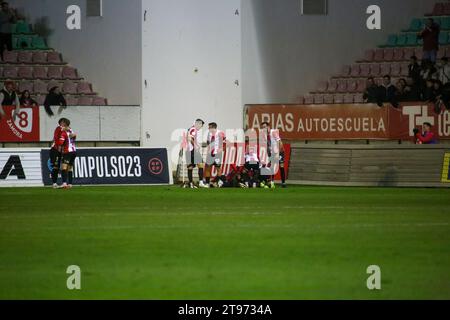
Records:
x=120, y=123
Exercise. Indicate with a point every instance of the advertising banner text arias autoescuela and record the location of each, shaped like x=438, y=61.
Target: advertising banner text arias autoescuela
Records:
x=115, y=166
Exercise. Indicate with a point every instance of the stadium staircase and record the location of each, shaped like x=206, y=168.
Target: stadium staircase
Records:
x=391, y=58
x=35, y=67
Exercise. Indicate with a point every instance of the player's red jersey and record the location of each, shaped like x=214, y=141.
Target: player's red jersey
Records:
x=58, y=140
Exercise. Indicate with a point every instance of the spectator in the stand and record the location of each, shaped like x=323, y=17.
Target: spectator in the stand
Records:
x=388, y=92
x=7, y=18
x=26, y=100
x=427, y=70
x=372, y=92
x=430, y=36
x=432, y=90
x=9, y=97
x=54, y=98
x=403, y=90
x=425, y=137
x=414, y=94
x=414, y=69
x=443, y=72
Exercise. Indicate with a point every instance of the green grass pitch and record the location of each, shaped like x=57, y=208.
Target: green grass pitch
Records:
x=173, y=243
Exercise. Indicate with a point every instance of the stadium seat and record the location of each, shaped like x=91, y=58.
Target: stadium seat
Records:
x=438, y=10
x=25, y=57
x=38, y=43
x=40, y=87
x=22, y=27
x=352, y=85
x=25, y=72
x=10, y=72
x=411, y=39
x=10, y=57
x=86, y=88
x=328, y=99
x=40, y=72
x=53, y=83
x=375, y=70
x=441, y=53
x=26, y=85
x=345, y=71
x=318, y=98
x=445, y=23
x=69, y=87
x=361, y=85
x=39, y=57
x=339, y=98
x=348, y=98
x=446, y=9
x=392, y=41
x=355, y=70
x=398, y=54
x=368, y=55
x=69, y=73
x=358, y=98
x=72, y=101
x=379, y=55
x=341, y=86
x=308, y=99
x=443, y=38
x=332, y=85
x=408, y=53
x=388, y=54
x=54, y=72
x=404, y=69
x=321, y=86
x=419, y=53
x=365, y=70
x=401, y=40
x=385, y=68
x=416, y=25
x=54, y=57
x=99, y=101
x=395, y=69
x=22, y=42
x=84, y=101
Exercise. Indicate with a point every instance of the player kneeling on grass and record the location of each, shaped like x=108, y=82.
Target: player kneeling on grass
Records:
x=215, y=141
x=68, y=157
x=251, y=166
x=193, y=155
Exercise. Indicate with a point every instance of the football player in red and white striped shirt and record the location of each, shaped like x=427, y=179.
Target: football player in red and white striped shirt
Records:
x=215, y=141
x=275, y=152
x=69, y=153
x=56, y=149
x=193, y=153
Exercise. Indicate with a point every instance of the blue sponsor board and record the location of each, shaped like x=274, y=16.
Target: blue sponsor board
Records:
x=99, y=166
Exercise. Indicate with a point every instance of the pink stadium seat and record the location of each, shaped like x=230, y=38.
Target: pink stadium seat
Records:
x=446, y=9
x=385, y=68
x=404, y=69
x=10, y=72
x=52, y=84
x=355, y=70
x=398, y=54
x=85, y=101
x=342, y=86
x=308, y=99
x=348, y=98
x=441, y=53
x=339, y=98
x=10, y=57
x=54, y=58
x=361, y=85
x=375, y=70
x=379, y=55
x=388, y=54
x=396, y=68
x=69, y=87
x=419, y=53
x=365, y=70
x=352, y=85
x=25, y=72
x=332, y=85
x=359, y=98
x=99, y=101
x=40, y=99
x=40, y=72
x=321, y=86
x=345, y=72
x=26, y=85
x=40, y=87
x=84, y=88
x=438, y=10
x=40, y=57
x=368, y=55
x=69, y=73
x=72, y=100
x=318, y=98
x=54, y=72
x=408, y=52
x=25, y=57
x=328, y=99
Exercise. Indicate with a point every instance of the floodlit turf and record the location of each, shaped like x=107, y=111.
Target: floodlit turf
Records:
x=173, y=243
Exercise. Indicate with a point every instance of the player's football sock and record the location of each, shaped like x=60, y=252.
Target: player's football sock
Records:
x=283, y=175
x=190, y=175
x=208, y=180
x=200, y=174
x=64, y=176
x=70, y=177
x=55, y=175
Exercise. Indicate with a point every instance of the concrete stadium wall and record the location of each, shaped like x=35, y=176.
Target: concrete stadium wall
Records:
x=359, y=165
x=284, y=54
x=106, y=51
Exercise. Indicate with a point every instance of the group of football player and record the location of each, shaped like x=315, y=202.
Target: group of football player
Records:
x=63, y=154
x=258, y=170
